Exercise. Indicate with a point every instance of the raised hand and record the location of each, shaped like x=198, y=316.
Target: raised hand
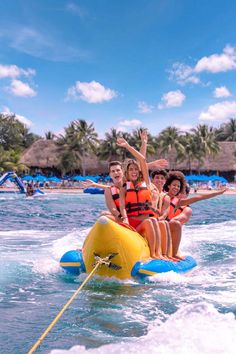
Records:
x=162, y=163
x=87, y=183
x=144, y=135
x=122, y=142
x=223, y=189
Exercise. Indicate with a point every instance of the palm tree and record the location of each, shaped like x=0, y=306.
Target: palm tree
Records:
x=79, y=140
x=49, y=135
x=108, y=149
x=190, y=152
x=227, y=131
x=9, y=161
x=171, y=145
x=206, y=142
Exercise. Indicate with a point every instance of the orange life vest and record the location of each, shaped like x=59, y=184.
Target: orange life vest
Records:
x=174, y=210
x=115, y=192
x=138, y=200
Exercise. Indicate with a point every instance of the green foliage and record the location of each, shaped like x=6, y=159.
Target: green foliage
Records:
x=227, y=131
x=14, y=138
x=79, y=140
x=14, y=134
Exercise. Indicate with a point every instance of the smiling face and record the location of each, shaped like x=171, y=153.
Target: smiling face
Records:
x=159, y=181
x=133, y=172
x=174, y=187
x=116, y=174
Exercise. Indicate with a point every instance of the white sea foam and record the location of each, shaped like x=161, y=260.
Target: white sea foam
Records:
x=196, y=329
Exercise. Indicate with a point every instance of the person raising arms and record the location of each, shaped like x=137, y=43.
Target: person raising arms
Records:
x=136, y=204
x=117, y=176
x=184, y=203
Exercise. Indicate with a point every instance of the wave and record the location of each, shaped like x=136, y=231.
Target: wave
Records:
x=196, y=328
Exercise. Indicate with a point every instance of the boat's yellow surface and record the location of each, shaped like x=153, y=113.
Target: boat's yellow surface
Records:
x=108, y=237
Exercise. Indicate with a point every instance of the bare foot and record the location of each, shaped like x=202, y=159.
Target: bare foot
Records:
x=159, y=256
x=154, y=257
x=165, y=257
x=179, y=258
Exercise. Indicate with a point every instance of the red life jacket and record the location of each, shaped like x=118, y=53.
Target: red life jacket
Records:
x=174, y=210
x=138, y=200
x=115, y=192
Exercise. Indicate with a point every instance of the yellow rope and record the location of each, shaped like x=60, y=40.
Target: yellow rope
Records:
x=35, y=346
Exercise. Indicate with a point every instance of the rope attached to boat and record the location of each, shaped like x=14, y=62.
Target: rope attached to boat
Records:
x=98, y=262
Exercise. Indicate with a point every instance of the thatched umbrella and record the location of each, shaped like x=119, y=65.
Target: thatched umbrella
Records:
x=42, y=153
x=46, y=154
x=224, y=161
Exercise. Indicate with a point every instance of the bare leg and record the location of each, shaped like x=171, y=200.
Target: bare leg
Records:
x=184, y=217
x=146, y=229
x=108, y=215
x=176, y=233
x=165, y=239
x=158, y=250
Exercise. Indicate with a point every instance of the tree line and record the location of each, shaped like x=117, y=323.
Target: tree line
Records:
x=80, y=139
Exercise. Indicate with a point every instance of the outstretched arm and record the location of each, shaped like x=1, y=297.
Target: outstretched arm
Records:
x=200, y=197
x=92, y=184
x=158, y=164
x=123, y=143
x=144, y=140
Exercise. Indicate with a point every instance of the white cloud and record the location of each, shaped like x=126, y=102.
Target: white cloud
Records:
x=219, y=111
x=91, y=92
x=28, y=123
x=19, y=88
x=221, y=92
x=13, y=71
x=216, y=63
x=183, y=74
x=127, y=125
x=172, y=99
x=131, y=123
x=143, y=107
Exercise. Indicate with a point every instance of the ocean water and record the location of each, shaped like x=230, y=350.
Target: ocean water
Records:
x=168, y=313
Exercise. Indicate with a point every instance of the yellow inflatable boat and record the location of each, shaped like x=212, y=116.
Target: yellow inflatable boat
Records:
x=125, y=254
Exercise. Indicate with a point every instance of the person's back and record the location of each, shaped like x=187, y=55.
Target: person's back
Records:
x=29, y=190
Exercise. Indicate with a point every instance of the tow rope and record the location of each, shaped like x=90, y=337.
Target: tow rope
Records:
x=98, y=262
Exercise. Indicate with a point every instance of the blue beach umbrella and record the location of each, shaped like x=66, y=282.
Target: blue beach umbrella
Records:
x=78, y=178
x=91, y=178
x=28, y=178
x=40, y=178
x=54, y=179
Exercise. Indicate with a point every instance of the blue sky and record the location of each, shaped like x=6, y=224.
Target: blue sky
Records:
x=120, y=64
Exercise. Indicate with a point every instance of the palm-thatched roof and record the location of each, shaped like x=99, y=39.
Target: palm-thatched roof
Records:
x=46, y=154
x=42, y=153
x=225, y=160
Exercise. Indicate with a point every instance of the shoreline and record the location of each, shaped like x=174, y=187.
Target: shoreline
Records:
x=80, y=190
